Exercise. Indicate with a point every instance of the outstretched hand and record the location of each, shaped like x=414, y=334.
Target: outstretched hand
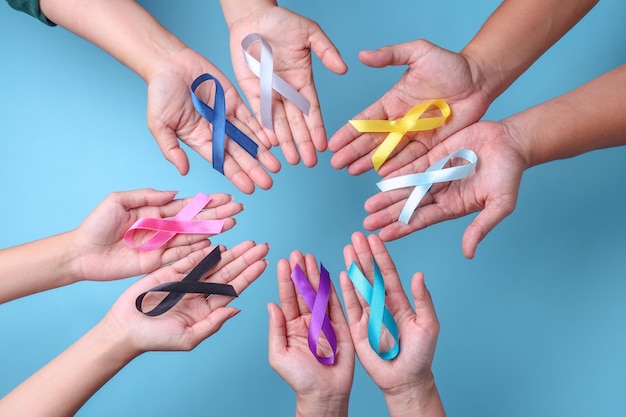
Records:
x=315, y=384
x=292, y=38
x=100, y=252
x=195, y=317
x=492, y=189
x=432, y=73
x=172, y=116
x=406, y=381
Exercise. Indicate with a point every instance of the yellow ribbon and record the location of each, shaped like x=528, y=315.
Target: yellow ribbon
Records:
x=411, y=122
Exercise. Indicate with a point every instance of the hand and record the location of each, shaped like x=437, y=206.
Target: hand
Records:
x=99, y=249
x=433, y=73
x=172, y=116
x=195, y=317
x=291, y=37
x=323, y=386
x=493, y=188
x=406, y=381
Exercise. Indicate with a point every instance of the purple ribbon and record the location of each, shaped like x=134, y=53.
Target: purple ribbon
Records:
x=317, y=304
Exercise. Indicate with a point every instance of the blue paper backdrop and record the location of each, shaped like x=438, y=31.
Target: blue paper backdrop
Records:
x=534, y=326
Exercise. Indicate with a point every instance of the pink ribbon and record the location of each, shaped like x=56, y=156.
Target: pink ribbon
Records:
x=166, y=229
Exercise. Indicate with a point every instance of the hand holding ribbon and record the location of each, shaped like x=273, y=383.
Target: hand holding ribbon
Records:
x=166, y=229
x=411, y=122
x=221, y=126
x=317, y=304
x=269, y=81
x=422, y=182
x=189, y=285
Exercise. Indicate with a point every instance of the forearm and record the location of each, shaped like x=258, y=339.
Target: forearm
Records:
x=65, y=384
x=415, y=401
x=587, y=118
x=516, y=35
x=236, y=9
x=122, y=28
x=322, y=407
x=36, y=266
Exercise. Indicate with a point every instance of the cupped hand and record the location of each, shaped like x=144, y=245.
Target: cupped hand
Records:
x=195, y=317
x=492, y=190
x=172, y=116
x=289, y=352
x=99, y=249
x=292, y=38
x=432, y=73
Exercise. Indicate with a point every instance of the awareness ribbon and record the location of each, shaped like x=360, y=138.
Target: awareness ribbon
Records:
x=221, y=126
x=374, y=295
x=189, y=285
x=411, y=122
x=166, y=229
x=317, y=303
x=264, y=70
x=422, y=182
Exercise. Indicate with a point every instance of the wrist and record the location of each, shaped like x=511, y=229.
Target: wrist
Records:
x=487, y=75
x=417, y=398
x=234, y=10
x=114, y=336
x=322, y=405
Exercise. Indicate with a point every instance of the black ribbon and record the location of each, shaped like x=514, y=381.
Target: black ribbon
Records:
x=189, y=285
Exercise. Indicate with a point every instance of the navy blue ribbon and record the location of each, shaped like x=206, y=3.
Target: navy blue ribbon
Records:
x=221, y=126
x=189, y=285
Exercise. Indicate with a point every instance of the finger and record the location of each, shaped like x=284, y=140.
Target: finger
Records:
x=352, y=303
x=424, y=307
x=145, y=197
x=236, y=260
x=299, y=126
x=364, y=254
x=277, y=332
x=326, y=51
x=282, y=130
x=239, y=283
x=170, y=147
x=396, y=299
x=286, y=291
x=482, y=224
x=176, y=253
x=399, y=54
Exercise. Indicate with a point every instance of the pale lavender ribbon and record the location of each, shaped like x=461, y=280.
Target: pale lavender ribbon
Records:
x=268, y=80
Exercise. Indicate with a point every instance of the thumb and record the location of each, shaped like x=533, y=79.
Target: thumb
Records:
x=400, y=54
x=170, y=148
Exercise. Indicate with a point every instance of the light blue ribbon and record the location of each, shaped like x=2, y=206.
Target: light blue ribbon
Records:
x=422, y=182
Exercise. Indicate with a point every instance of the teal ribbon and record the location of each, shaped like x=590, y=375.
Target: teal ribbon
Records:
x=380, y=316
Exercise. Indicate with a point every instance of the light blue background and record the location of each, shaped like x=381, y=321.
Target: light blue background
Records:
x=534, y=326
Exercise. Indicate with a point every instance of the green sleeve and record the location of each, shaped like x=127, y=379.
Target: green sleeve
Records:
x=30, y=7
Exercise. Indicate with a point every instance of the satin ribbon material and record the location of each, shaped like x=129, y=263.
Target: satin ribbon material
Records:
x=268, y=80
x=422, y=182
x=166, y=229
x=374, y=295
x=189, y=285
x=221, y=126
x=317, y=303
x=411, y=122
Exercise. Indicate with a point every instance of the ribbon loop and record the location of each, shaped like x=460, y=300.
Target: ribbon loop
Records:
x=269, y=81
x=166, y=229
x=221, y=126
x=189, y=285
x=317, y=304
x=411, y=122
x=422, y=182
x=380, y=316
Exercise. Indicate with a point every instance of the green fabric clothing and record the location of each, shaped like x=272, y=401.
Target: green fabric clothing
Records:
x=32, y=8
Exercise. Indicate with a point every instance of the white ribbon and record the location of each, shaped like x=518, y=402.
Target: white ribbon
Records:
x=422, y=182
x=268, y=80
